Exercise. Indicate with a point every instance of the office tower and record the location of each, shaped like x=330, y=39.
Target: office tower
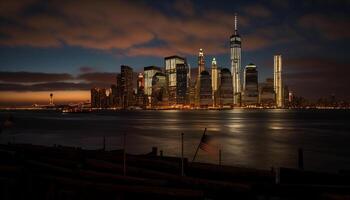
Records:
x=159, y=90
x=205, y=99
x=171, y=75
x=225, y=88
x=114, y=95
x=192, y=94
x=140, y=91
x=189, y=76
x=290, y=97
x=250, y=85
x=126, y=76
x=95, y=99
x=181, y=83
x=214, y=80
x=109, y=98
x=149, y=72
x=278, y=87
x=102, y=93
x=201, y=62
x=285, y=93
x=235, y=45
x=140, y=83
x=119, y=94
x=267, y=93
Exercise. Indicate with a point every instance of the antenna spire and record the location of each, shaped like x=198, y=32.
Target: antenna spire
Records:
x=235, y=23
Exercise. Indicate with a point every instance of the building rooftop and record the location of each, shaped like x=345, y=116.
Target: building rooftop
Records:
x=151, y=68
x=225, y=70
x=174, y=56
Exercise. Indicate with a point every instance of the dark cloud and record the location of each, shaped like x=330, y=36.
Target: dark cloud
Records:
x=50, y=86
x=106, y=77
x=33, y=77
x=185, y=7
x=133, y=26
x=329, y=27
x=34, y=81
x=315, y=77
x=257, y=10
x=126, y=25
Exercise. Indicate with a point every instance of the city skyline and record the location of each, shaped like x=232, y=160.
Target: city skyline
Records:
x=50, y=59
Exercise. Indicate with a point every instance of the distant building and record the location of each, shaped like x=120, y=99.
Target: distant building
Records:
x=278, y=84
x=140, y=94
x=192, y=94
x=95, y=98
x=103, y=98
x=159, y=90
x=115, y=96
x=171, y=74
x=149, y=72
x=250, y=85
x=225, y=88
x=119, y=92
x=205, y=92
x=99, y=98
x=285, y=96
x=267, y=93
x=140, y=83
x=214, y=81
x=201, y=68
x=201, y=62
x=235, y=45
x=181, y=83
x=126, y=81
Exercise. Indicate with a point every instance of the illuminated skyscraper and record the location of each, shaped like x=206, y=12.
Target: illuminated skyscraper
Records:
x=205, y=93
x=140, y=83
x=159, y=90
x=235, y=45
x=201, y=63
x=277, y=80
x=181, y=83
x=140, y=93
x=171, y=75
x=126, y=81
x=267, y=93
x=95, y=98
x=214, y=75
x=250, y=86
x=149, y=72
x=214, y=80
x=225, y=88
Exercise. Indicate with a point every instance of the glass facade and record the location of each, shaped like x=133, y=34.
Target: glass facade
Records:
x=171, y=75
x=149, y=72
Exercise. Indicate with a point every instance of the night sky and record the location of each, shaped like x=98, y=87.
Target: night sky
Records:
x=67, y=47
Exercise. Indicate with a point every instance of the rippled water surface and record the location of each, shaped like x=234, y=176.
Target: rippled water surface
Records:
x=253, y=138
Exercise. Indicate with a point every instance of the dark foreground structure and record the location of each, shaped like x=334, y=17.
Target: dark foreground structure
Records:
x=39, y=172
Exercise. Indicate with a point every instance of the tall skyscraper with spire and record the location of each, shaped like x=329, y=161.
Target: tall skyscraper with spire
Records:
x=201, y=63
x=235, y=45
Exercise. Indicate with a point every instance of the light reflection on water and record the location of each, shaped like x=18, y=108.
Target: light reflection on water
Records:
x=253, y=138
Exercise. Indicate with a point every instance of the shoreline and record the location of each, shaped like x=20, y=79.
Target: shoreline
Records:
x=98, y=173
x=174, y=109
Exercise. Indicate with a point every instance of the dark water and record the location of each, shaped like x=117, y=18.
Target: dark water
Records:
x=253, y=138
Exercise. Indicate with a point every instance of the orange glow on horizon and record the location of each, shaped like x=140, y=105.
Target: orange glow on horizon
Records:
x=42, y=97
